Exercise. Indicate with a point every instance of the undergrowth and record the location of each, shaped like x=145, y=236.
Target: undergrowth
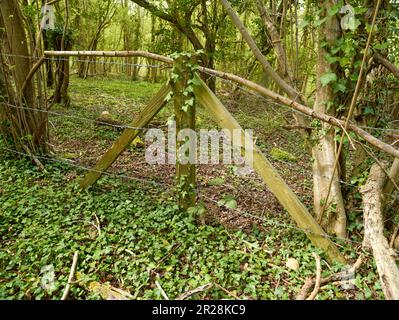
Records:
x=45, y=217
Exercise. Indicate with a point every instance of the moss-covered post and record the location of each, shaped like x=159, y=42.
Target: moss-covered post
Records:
x=182, y=82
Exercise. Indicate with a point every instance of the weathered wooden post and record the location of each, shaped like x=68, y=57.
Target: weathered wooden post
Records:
x=181, y=82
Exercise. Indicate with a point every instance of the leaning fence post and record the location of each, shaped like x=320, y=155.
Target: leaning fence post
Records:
x=181, y=82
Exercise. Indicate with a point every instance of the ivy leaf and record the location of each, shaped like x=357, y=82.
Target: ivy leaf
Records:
x=330, y=58
x=174, y=77
x=190, y=102
x=344, y=61
x=231, y=204
x=218, y=181
x=229, y=201
x=368, y=110
x=339, y=87
x=349, y=22
x=185, y=108
x=333, y=11
x=169, y=96
x=195, y=81
x=381, y=46
x=327, y=78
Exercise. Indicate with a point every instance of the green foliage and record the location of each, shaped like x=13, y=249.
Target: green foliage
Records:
x=218, y=181
x=327, y=78
x=228, y=201
x=45, y=218
x=55, y=36
x=282, y=155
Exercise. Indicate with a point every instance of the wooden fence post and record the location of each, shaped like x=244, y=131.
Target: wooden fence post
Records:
x=128, y=135
x=185, y=119
x=270, y=176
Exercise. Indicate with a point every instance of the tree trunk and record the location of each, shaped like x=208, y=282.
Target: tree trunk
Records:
x=284, y=68
x=62, y=75
x=49, y=63
x=385, y=256
x=267, y=68
x=26, y=128
x=324, y=154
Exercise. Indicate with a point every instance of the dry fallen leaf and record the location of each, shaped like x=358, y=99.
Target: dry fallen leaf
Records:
x=292, y=264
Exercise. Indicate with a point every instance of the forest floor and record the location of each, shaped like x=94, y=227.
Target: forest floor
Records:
x=127, y=228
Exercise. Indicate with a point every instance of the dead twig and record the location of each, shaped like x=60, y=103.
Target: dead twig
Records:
x=98, y=227
x=340, y=276
x=162, y=260
x=71, y=275
x=162, y=291
x=318, y=278
x=226, y=291
x=194, y=291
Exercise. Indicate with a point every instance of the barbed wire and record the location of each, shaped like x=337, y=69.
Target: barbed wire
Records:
x=269, y=101
x=77, y=118
x=248, y=91
x=380, y=129
x=72, y=164
x=90, y=60
x=167, y=188
x=270, y=222
x=91, y=120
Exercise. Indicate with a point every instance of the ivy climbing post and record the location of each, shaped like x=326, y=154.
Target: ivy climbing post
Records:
x=182, y=81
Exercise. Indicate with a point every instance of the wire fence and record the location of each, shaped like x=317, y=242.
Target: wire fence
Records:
x=200, y=192
x=265, y=221
x=91, y=120
x=281, y=106
x=164, y=66
x=87, y=169
x=97, y=59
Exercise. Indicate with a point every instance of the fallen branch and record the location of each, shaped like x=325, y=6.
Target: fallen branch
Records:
x=71, y=276
x=336, y=277
x=194, y=291
x=385, y=257
x=387, y=64
x=318, y=278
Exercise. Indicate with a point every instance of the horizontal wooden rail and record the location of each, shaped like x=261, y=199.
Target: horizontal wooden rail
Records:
x=121, y=54
x=250, y=85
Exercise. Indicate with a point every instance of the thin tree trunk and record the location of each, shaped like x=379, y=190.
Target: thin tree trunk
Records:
x=284, y=67
x=385, y=256
x=62, y=77
x=28, y=129
x=291, y=92
x=267, y=68
x=324, y=153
